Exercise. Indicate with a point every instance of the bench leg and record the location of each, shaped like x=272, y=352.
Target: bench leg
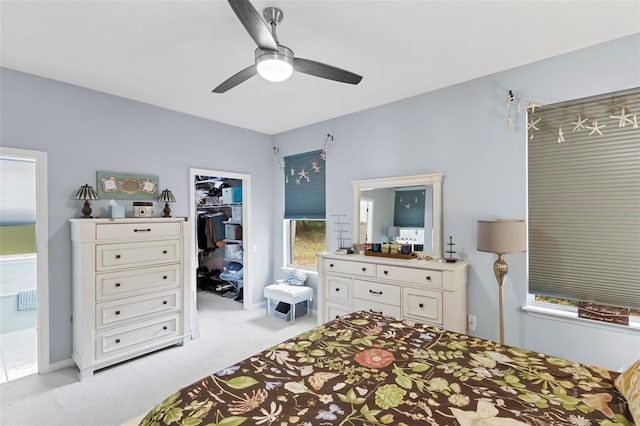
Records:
x=268, y=306
x=293, y=313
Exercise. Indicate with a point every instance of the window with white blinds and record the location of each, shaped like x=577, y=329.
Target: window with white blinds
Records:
x=584, y=200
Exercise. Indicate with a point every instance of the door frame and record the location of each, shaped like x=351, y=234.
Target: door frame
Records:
x=42, y=249
x=247, y=233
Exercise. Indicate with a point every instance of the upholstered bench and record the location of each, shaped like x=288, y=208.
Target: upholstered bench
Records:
x=291, y=294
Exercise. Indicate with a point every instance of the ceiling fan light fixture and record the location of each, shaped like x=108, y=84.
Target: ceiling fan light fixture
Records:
x=275, y=66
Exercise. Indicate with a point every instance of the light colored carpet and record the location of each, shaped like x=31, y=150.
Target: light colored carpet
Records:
x=124, y=392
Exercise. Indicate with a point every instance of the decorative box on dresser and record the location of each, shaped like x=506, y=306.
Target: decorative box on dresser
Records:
x=427, y=291
x=129, y=288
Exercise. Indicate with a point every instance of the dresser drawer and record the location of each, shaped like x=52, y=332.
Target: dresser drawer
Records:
x=376, y=308
x=338, y=289
x=348, y=267
x=115, y=256
x=138, y=336
x=135, y=308
x=410, y=275
x=137, y=231
x=377, y=292
x=423, y=305
x=333, y=311
x=111, y=285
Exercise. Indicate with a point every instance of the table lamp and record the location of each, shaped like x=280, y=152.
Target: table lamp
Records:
x=166, y=197
x=86, y=193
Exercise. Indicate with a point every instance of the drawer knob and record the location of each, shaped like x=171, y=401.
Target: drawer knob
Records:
x=386, y=272
x=164, y=327
x=364, y=269
x=117, y=340
x=164, y=302
x=142, y=230
x=428, y=277
x=337, y=289
x=375, y=312
x=421, y=305
x=117, y=256
x=117, y=284
x=375, y=292
x=331, y=265
x=164, y=277
x=337, y=316
x=164, y=252
x=117, y=312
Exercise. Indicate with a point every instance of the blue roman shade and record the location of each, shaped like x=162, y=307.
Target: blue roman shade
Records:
x=304, y=186
x=408, y=209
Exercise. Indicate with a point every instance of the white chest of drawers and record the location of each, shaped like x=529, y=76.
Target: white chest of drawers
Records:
x=129, y=288
x=429, y=292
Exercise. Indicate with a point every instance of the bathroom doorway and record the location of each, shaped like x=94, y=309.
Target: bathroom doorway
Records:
x=24, y=326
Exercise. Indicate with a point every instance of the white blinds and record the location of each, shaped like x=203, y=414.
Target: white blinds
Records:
x=584, y=201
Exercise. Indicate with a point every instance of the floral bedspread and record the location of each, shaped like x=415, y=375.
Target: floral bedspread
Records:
x=367, y=369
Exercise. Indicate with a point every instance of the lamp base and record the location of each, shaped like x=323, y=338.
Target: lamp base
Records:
x=166, y=211
x=500, y=269
x=86, y=210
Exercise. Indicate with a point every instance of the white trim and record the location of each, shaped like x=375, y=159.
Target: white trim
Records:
x=247, y=227
x=571, y=317
x=65, y=363
x=42, y=248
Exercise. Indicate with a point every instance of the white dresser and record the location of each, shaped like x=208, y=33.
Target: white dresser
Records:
x=129, y=288
x=431, y=292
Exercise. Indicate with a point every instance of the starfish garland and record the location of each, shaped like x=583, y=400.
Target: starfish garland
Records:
x=579, y=124
x=293, y=171
x=407, y=206
x=635, y=120
x=315, y=166
x=595, y=128
x=323, y=154
x=624, y=118
x=560, y=135
x=303, y=175
x=532, y=124
x=532, y=106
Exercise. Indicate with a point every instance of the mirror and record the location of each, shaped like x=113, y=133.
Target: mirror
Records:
x=405, y=209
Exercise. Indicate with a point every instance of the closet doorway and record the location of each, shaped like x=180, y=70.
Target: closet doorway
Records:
x=220, y=211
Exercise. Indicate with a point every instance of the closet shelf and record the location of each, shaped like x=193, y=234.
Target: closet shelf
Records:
x=229, y=259
x=232, y=241
x=232, y=222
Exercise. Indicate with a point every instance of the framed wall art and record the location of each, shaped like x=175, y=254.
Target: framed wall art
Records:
x=127, y=186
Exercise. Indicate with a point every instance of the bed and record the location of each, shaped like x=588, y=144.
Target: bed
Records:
x=367, y=369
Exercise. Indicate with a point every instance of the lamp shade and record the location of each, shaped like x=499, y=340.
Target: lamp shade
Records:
x=393, y=231
x=502, y=236
x=167, y=197
x=86, y=192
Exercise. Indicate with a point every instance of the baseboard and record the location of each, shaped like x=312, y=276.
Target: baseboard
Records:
x=65, y=363
x=259, y=305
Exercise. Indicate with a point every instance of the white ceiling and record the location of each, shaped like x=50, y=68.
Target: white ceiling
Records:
x=173, y=53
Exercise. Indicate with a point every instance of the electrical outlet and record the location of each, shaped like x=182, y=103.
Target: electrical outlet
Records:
x=471, y=322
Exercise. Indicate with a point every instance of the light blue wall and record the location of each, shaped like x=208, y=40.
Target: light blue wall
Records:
x=83, y=131
x=461, y=131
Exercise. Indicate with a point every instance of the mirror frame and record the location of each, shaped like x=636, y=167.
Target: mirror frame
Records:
x=434, y=179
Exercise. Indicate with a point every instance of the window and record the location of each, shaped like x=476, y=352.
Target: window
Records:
x=307, y=238
x=304, y=212
x=584, y=201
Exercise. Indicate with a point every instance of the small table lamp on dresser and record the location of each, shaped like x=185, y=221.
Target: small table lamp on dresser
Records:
x=167, y=197
x=86, y=193
x=501, y=237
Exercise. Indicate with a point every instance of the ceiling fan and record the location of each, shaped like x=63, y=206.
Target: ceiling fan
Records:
x=273, y=61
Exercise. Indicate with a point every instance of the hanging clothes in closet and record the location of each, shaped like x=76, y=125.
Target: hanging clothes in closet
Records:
x=210, y=229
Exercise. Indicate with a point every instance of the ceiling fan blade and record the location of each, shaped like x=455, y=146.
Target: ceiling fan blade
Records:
x=321, y=70
x=236, y=79
x=253, y=23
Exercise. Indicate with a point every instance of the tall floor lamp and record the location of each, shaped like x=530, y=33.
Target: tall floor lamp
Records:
x=501, y=237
